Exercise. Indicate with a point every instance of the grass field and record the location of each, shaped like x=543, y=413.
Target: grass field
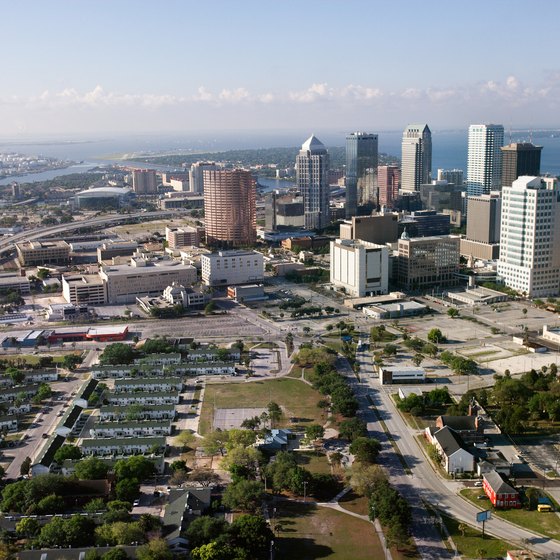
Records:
x=33, y=360
x=545, y=523
x=469, y=541
x=310, y=532
x=313, y=462
x=297, y=399
x=355, y=503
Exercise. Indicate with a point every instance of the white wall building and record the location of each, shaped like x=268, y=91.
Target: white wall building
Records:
x=196, y=175
x=484, y=165
x=361, y=268
x=228, y=268
x=312, y=166
x=529, y=250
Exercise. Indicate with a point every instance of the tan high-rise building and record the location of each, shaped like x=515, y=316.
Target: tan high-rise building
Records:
x=378, y=228
x=388, y=179
x=144, y=181
x=230, y=208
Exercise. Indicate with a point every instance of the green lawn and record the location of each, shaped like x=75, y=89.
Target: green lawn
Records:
x=33, y=359
x=313, y=462
x=297, y=399
x=472, y=545
x=355, y=503
x=309, y=532
x=545, y=523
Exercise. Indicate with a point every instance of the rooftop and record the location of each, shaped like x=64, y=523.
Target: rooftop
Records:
x=449, y=441
x=498, y=484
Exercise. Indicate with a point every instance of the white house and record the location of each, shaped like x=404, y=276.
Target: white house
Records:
x=157, y=384
x=122, y=446
x=154, y=412
x=144, y=398
x=149, y=428
x=450, y=445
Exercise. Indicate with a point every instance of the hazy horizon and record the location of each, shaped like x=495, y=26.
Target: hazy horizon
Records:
x=134, y=66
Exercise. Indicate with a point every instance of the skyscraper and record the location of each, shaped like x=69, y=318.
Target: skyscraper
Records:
x=520, y=158
x=483, y=220
x=230, y=207
x=416, y=157
x=454, y=176
x=388, y=179
x=312, y=165
x=196, y=175
x=361, y=166
x=529, y=252
x=144, y=181
x=484, y=167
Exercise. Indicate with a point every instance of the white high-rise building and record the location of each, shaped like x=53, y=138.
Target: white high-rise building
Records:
x=312, y=165
x=529, y=252
x=196, y=175
x=416, y=157
x=484, y=166
x=359, y=267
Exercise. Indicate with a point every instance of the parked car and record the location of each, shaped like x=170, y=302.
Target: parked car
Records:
x=478, y=483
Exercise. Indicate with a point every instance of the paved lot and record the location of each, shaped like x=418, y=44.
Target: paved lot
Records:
x=227, y=418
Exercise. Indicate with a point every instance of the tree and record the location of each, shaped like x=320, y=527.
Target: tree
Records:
x=216, y=442
x=16, y=375
x=210, y=307
x=524, y=311
x=28, y=527
x=204, y=477
x=95, y=505
x=115, y=554
x=117, y=353
x=365, y=449
x=91, y=468
x=252, y=534
x=120, y=532
x=352, y=428
x=204, y=530
x=453, y=312
x=274, y=412
x=390, y=349
x=462, y=528
x=25, y=466
x=436, y=336
x=185, y=438
x=127, y=489
x=213, y=551
x=70, y=361
x=417, y=359
x=44, y=392
x=178, y=465
x=156, y=549
x=67, y=452
x=137, y=467
x=237, y=437
x=79, y=531
x=244, y=495
x=365, y=478
x=51, y=504
x=314, y=432
x=243, y=462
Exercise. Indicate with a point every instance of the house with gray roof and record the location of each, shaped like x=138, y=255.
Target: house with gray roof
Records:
x=452, y=449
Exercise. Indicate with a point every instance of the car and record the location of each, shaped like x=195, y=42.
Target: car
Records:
x=45, y=436
x=482, y=497
x=135, y=503
x=478, y=484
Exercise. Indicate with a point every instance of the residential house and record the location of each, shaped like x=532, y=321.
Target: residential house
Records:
x=451, y=447
x=111, y=413
x=144, y=398
x=470, y=427
x=123, y=446
x=148, y=385
x=131, y=429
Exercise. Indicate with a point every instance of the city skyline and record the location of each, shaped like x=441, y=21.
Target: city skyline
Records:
x=153, y=68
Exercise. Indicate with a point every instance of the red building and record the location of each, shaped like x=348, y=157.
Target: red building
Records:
x=79, y=334
x=501, y=494
x=388, y=181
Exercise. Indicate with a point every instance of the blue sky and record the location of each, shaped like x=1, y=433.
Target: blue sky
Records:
x=123, y=66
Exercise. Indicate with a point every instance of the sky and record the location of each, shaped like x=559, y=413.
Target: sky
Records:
x=124, y=66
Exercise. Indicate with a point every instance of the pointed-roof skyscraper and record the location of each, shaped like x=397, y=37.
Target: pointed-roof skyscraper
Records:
x=416, y=165
x=312, y=164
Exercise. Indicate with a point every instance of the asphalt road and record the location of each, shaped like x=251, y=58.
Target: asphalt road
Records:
x=45, y=423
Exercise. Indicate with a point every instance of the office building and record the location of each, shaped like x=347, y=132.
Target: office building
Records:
x=283, y=212
x=144, y=277
x=229, y=268
x=454, y=176
x=424, y=262
x=177, y=181
x=482, y=240
x=388, y=182
x=361, y=166
x=37, y=253
x=425, y=223
x=186, y=236
x=484, y=166
x=230, y=208
x=518, y=159
x=379, y=228
x=312, y=165
x=196, y=175
x=13, y=282
x=144, y=181
x=103, y=197
x=416, y=163
x=441, y=195
x=111, y=249
x=80, y=289
x=359, y=268
x=530, y=228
